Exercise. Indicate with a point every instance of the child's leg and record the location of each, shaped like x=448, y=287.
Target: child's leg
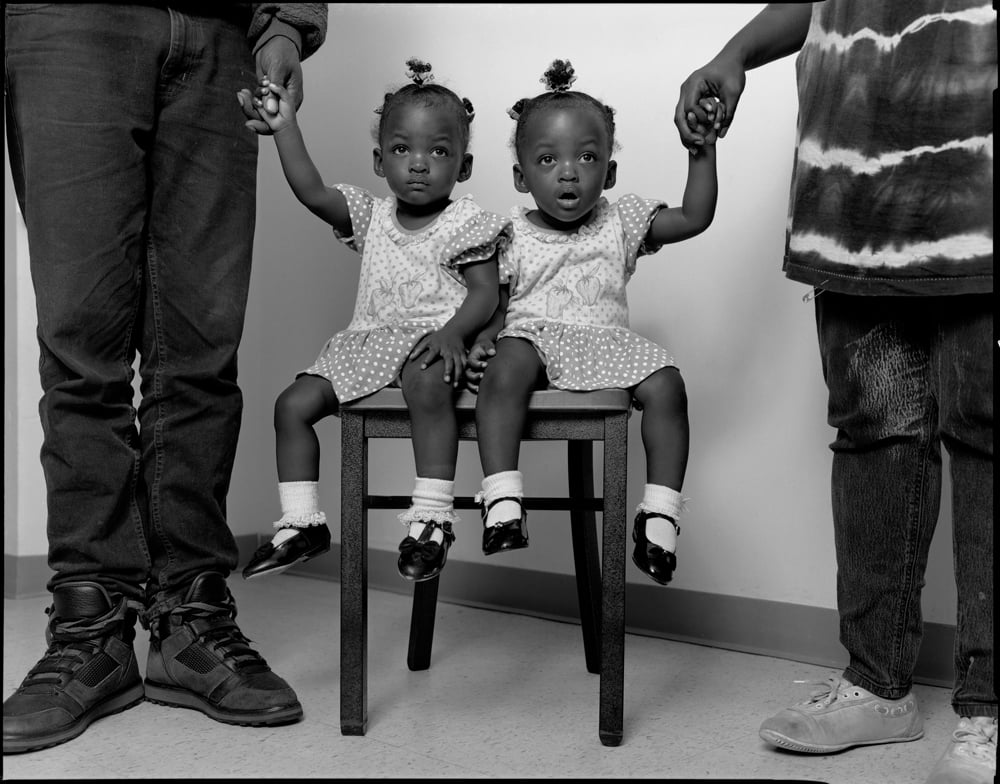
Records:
x=665, y=438
x=431, y=403
x=301, y=531
x=501, y=410
x=300, y=406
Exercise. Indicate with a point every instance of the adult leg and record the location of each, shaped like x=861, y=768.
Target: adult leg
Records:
x=202, y=178
x=886, y=481
x=964, y=356
x=76, y=125
x=202, y=196
x=886, y=488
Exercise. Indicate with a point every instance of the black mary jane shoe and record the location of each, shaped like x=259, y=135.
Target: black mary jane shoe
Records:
x=656, y=562
x=506, y=535
x=308, y=542
x=422, y=559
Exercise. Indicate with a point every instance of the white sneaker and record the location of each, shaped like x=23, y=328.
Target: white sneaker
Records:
x=841, y=715
x=971, y=757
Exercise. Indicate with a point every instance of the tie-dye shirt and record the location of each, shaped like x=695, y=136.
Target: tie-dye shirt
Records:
x=892, y=190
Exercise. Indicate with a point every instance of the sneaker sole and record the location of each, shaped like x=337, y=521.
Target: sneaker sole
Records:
x=120, y=702
x=174, y=697
x=784, y=742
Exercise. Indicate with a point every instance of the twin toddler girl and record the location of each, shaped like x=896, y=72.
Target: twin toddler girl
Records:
x=452, y=295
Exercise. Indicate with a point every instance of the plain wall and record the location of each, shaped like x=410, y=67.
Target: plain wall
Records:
x=759, y=522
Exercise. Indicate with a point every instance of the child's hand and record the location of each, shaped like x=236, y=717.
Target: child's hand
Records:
x=273, y=103
x=447, y=347
x=713, y=111
x=476, y=362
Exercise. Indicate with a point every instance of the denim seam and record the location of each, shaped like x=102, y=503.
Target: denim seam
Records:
x=910, y=603
x=136, y=476
x=157, y=383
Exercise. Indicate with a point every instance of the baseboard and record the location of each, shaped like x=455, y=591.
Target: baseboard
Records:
x=25, y=576
x=786, y=631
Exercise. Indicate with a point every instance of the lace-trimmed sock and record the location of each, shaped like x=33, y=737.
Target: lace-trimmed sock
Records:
x=299, y=509
x=436, y=496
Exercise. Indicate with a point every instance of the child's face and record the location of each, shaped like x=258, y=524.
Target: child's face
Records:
x=422, y=156
x=565, y=163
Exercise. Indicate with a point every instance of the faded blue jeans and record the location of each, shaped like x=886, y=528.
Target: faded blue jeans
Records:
x=906, y=375
x=136, y=178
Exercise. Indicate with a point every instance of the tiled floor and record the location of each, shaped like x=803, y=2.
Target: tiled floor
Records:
x=507, y=696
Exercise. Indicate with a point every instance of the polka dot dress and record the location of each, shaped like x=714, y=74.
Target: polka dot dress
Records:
x=568, y=296
x=411, y=284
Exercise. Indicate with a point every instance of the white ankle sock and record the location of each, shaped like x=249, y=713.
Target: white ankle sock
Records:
x=299, y=509
x=436, y=496
x=500, y=485
x=660, y=499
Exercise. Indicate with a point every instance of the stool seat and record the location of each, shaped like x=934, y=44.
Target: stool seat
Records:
x=580, y=419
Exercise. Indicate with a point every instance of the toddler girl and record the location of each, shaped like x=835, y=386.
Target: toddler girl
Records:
x=567, y=317
x=428, y=284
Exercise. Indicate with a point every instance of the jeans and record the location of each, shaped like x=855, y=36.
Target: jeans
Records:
x=136, y=178
x=906, y=375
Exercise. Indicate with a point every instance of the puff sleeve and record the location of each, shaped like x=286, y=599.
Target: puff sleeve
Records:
x=636, y=214
x=360, y=204
x=476, y=239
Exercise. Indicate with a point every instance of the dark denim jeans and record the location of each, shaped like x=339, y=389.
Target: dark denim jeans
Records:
x=136, y=179
x=906, y=375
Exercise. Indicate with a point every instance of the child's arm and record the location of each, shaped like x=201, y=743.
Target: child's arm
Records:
x=448, y=343
x=673, y=224
x=300, y=171
x=484, y=344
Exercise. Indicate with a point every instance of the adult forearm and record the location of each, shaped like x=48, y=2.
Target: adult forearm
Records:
x=776, y=32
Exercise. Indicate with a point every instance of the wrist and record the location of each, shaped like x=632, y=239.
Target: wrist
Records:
x=278, y=29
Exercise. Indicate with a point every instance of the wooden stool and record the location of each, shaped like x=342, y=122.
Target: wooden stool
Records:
x=579, y=418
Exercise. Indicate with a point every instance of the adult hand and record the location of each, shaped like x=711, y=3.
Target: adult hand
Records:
x=278, y=60
x=719, y=79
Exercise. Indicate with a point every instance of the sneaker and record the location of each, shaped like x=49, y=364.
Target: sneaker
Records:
x=841, y=715
x=971, y=757
x=199, y=659
x=88, y=671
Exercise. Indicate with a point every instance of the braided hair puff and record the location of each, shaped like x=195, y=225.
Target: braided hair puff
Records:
x=558, y=79
x=421, y=93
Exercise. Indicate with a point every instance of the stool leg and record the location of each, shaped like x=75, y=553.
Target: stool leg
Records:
x=613, y=579
x=418, y=657
x=580, y=466
x=353, y=576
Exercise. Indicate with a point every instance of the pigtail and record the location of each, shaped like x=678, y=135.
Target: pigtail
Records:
x=559, y=77
x=515, y=111
x=469, y=110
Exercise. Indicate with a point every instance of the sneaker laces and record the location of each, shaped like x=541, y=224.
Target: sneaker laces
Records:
x=827, y=691
x=216, y=627
x=977, y=737
x=73, y=642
